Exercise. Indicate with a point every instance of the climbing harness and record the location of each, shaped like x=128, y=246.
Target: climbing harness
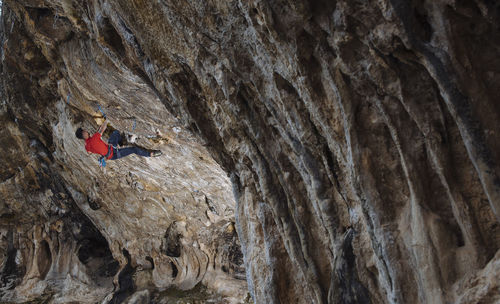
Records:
x=102, y=159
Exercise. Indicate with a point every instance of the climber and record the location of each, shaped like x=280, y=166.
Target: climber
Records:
x=94, y=144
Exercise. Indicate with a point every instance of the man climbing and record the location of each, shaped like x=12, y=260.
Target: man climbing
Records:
x=94, y=144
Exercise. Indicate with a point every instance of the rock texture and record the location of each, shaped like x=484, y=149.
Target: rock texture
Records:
x=360, y=137
x=73, y=232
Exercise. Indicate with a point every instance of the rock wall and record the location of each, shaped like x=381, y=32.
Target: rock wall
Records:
x=75, y=232
x=360, y=137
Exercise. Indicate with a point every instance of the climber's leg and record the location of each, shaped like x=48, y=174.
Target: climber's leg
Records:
x=131, y=150
x=114, y=138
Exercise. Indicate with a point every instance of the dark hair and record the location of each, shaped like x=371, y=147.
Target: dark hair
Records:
x=79, y=133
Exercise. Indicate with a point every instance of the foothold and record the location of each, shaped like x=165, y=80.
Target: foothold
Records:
x=151, y=261
x=171, y=245
x=230, y=228
x=57, y=226
x=93, y=204
x=210, y=205
x=175, y=271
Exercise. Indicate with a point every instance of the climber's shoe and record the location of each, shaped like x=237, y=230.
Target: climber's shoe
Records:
x=156, y=153
x=131, y=138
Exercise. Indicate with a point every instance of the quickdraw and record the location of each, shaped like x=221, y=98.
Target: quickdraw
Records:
x=102, y=162
x=100, y=110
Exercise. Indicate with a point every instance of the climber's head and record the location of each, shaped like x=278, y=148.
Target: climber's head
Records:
x=81, y=133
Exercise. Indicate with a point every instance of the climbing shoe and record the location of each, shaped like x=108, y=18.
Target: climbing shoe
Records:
x=156, y=153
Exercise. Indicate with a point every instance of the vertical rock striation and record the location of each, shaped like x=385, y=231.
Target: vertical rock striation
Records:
x=360, y=137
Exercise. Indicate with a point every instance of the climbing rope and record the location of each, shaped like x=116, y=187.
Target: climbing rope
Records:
x=102, y=112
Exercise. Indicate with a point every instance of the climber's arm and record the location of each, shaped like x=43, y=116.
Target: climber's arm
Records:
x=102, y=128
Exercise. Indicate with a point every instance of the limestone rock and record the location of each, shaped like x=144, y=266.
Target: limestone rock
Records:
x=360, y=138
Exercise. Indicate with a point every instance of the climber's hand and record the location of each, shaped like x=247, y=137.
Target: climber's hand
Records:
x=102, y=128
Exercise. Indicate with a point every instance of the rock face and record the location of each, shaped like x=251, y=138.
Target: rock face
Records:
x=361, y=140
x=73, y=232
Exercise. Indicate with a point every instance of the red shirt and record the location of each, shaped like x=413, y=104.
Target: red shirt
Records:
x=94, y=144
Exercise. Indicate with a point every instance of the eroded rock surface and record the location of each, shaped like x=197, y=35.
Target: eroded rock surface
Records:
x=361, y=140
x=76, y=232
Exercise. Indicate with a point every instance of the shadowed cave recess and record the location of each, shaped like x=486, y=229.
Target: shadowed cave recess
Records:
x=313, y=151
